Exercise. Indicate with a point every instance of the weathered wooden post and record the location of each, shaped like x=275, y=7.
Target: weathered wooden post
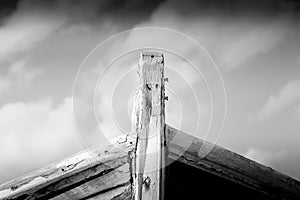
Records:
x=149, y=124
x=132, y=165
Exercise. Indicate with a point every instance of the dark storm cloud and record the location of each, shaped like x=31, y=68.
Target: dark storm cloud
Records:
x=121, y=11
x=129, y=7
x=31, y=21
x=131, y=12
x=256, y=9
x=6, y=7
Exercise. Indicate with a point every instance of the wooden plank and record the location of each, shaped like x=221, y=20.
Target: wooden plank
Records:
x=231, y=166
x=78, y=172
x=100, y=186
x=149, y=123
x=120, y=193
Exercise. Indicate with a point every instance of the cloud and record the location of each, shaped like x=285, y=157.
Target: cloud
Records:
x=257, y=40
x=287, y=96
x=232, y=32
x=265, y=157
x=33, y=21
x=19, y=73
x=26, y=27
x=35, y=134
x=298, y=115
x=30, y=24
x=4, y=84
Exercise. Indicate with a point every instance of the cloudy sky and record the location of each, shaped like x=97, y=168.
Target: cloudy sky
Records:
x=256, y=47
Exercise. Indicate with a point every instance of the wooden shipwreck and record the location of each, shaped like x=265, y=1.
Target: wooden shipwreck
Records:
x=147, y=163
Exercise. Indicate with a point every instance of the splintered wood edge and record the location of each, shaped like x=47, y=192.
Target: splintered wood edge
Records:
x=151, y=73
x=66, y=174
x=231, y=166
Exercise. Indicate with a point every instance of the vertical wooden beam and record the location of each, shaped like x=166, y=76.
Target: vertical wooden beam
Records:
x=149, y=124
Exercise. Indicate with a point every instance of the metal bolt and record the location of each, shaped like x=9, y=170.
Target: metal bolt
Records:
x=147, y=181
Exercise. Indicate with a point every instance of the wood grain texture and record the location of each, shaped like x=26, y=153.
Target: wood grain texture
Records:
x=83, y=176
x=231, y=166
x=149, y=123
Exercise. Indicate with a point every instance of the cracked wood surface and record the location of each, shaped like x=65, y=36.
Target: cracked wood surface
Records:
x=109, y=177
x=148, y=123
x=103, y=173
x=231, y=166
